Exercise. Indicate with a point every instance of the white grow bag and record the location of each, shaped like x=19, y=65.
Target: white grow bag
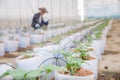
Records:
x=78, y=37
x=54, y=32
x=59, y=76
x=2, y=49
x=9, y=77
x=36, y=38
x=44, y=37
x=11, y=45
x=102, y=44
x=49, y=48
x=67, y=43
x=45, y=55
x=3, y=38
x=30, y=63
x=49, y=34
x=105, y=31
x=58, y=32
x=96, y=46
x=93, y=66
x=24, y=41
x=47, y=52
x=4, y=68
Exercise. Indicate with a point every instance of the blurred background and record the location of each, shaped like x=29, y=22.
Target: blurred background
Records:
x=20, y=12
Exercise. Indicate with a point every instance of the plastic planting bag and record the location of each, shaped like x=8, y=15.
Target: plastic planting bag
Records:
x=78, y=37
x=48, y=48
x=49, y=34
x=29, y=64
x=46, y=57
x=4, y=68
x=2, y=49
x=67, y=43
x=24, y=41
x=3, y=38
x=16, y=36
x=36, y=38
x=59, y=76
x=93, y=66
x=44, y=37
x=102, y=44
x=11, y=45
x=96, y=46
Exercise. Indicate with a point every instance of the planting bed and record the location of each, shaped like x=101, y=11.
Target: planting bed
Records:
x=73, y=50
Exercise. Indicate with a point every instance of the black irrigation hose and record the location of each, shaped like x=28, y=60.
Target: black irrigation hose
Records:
x=56, y=58
x=9, y=65
x=46, y=61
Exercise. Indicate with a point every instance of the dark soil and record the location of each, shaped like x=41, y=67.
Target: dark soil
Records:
x=106, y=75
x=111, y=57
x=110, y=52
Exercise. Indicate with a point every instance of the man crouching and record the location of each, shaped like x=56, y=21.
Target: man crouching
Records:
x=38, y=21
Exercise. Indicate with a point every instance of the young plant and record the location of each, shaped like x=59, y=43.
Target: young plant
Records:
x=57, y=40
x=34, y=75
x=11, y=37
x=50, y=68
x=84, y=55
x=27, y=54
x=89, y=39
x=17, y=74
x=73, y=64
x=64, y=53
x=98, y=34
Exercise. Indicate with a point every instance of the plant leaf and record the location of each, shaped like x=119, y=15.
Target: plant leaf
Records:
x=34, y=74
x=17, y=74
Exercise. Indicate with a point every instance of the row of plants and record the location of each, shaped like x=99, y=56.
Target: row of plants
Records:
x=81, y=51
x=23, y=39
x=75, y=61
x=57, y=39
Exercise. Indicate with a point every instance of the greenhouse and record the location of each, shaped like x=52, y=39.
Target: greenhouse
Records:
x=59, y=40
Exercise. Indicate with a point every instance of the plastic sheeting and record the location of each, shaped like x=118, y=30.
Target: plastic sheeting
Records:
x=20, y=12
x=102, y=8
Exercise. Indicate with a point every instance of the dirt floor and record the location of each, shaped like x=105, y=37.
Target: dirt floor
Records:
x=109, y=67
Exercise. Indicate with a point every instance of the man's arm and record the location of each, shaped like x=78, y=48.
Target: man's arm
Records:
x=45, y=22
x=34, y=20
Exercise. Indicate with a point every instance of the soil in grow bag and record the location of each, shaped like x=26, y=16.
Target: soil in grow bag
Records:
x=26, y=57
x=79, y=72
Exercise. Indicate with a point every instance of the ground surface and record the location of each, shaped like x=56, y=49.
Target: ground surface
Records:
x=109, y=67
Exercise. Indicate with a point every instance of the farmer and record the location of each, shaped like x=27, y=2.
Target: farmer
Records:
x=38, y=21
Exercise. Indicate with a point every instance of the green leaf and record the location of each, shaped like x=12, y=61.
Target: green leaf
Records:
x=72, y=61
x=50, y=68
x=4, y=74
x=17, y=74
x=74, y=64
x=34, y=74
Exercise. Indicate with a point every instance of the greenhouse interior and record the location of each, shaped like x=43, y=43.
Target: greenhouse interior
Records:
x=59, y=39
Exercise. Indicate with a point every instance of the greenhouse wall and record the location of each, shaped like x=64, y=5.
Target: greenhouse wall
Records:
x=102, y=8
x=20, y=12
